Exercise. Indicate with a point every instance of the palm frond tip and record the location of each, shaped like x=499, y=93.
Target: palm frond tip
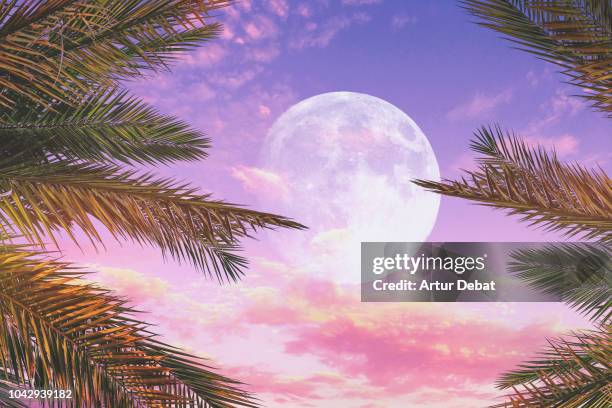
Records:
x=57, y=332
x=44, y=199
x=573, y=372
x=575, y=35
x=535, y=185
x=578, y=274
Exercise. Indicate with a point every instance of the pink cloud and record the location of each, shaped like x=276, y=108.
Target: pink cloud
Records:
x=563, y=103
x=304, y=11
x=228, y=32
x=260, y=27
x=563, y=145
x=557, y=107
x=421, y=354
x=399, y=353
x=538, y=131
x=245, y=5
x=140, y=287
x=397, y=349
x=479, y=105
x=261, y=181
x=466, y=161
x=253, y=31
x=207, y=56
x=360, y=2
x=236, y=79
x=403, y=353
x=265, y=53
x=240, y=120
x=283, y=388
x=264, y=110
x=279, y=7
x=203, y=92
x=327, y=32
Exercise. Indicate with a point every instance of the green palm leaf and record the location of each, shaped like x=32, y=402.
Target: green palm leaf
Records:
x=106, y=125
x=8, y=383
x=50, y=49
x=64, y=125
x=573, y=372
x=535, y=185
x=59, y=333
x=574, y=34
x=581, y=275
x=185, y=225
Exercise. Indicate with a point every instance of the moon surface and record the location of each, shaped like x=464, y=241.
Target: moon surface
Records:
x=346, y=161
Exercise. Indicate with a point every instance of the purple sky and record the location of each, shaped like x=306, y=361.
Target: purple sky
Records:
x=426, y=58
x=304, y=341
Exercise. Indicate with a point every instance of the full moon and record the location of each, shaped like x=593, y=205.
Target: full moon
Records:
x=346, y=161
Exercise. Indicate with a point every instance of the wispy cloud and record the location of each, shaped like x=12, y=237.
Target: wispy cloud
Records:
x=279, y=7
x=260, y=27
x=205, y=57
x=541, y=131
x=464, y=162
x=261, y=181
x=203, y=92
x=360, y=2
x=140, y=287
x=480, y=105
x=399, y=21
x=303, y=10
x=363, y=354
x=235, y=80
x=562, y=103
x=327, y=31
x=393, y=355
x=532, y=78
x=563, y=145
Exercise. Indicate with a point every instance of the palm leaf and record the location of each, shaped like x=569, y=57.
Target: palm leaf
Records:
x=106, y=125
x=572, y=373
x=50, y=50
x=58, y=333
x=574, y=34
x=580, y=275
x=8, y=383
x=63, y=125
x=43, y=199
x=535, y=185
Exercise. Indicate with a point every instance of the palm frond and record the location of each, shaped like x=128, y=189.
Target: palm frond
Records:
x=54, y=49
x=105, y=125
x=8, y=384
x=43, y=199
x=574, y=372
x=575, y=34
x=534, y=184
x=57, y=332
x=580, y=275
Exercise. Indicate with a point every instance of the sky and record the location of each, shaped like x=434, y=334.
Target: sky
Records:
x=297, y=335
